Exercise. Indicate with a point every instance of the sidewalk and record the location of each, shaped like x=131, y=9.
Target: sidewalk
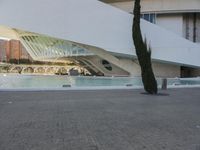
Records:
x=100, y=120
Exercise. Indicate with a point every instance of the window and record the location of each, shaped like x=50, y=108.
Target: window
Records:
x=107, y=65
x=149, y=17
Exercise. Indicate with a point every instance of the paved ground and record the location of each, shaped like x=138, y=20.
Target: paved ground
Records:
x=100, y=120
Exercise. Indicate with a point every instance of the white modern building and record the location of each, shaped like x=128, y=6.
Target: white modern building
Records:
x=179, y=16
x=98, y=36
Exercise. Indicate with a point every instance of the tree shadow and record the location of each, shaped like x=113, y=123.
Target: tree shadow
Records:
x=158, y=94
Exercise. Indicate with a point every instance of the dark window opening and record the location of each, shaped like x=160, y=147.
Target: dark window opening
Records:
x=149, y=17
x=107, y=65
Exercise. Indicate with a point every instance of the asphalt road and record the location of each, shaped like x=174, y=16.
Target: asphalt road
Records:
x=100, y=120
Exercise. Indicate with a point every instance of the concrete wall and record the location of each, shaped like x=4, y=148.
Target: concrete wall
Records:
x=170, y=5
x=115, y=71
x=162, y=6
x=166, y=70
x=172, y=22
x=196, y=72
x=132, y=66
x=160, y=70
x=126, y=6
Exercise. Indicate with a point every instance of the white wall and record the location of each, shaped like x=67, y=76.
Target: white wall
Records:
x=162, y=5
x=170, y=5
x=172, y=22
x=126, y=6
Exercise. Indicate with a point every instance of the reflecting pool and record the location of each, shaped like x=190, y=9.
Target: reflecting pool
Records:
x=11, y=81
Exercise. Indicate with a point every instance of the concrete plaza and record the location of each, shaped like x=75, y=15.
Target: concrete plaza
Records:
x=100, y=120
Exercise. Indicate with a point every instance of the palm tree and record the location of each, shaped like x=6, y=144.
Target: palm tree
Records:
x=143, y=53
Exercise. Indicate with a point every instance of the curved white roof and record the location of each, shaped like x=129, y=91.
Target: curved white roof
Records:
x=97, y=24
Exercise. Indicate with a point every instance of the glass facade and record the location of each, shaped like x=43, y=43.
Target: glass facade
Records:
x=41, y=46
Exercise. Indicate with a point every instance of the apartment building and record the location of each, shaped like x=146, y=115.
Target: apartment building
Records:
x=13, y=51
